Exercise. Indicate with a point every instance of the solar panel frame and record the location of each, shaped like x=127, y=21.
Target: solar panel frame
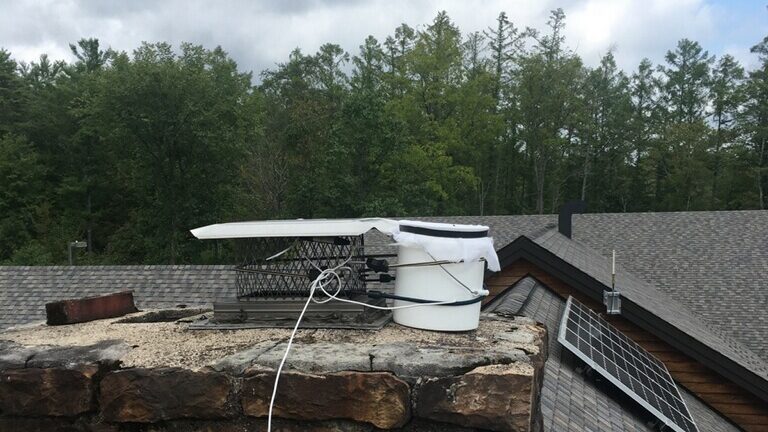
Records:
x=625, y=364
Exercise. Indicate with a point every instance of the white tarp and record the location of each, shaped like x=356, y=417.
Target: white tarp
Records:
x=450, y=249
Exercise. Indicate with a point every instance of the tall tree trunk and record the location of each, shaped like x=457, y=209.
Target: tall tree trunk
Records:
x=555, y=197
x=90, y=222
x=540, y=170
x=585, y=174
x=481, y=196
x=760, y=191
x=497, y=172
x=716, y=171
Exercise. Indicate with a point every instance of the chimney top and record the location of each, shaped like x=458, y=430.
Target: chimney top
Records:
x=564, y=222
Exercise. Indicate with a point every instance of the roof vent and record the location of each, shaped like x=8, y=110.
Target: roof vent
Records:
x=564, y=223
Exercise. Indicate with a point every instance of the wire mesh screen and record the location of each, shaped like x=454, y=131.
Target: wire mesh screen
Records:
x=282, y=266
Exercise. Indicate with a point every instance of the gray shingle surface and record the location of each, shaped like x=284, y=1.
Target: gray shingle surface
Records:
x=648, y=297
x=714, y=262
x=25, y=290
x=512, y=301
x=572, y=402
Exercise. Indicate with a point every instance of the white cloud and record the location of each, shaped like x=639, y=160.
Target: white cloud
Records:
x=260, y=34
x=637, y=29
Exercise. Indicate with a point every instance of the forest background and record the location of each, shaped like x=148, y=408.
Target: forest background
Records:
x=128, y=151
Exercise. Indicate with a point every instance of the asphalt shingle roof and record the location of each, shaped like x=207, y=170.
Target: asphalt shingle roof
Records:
x=569, y=400
x=648, y=297
x=25, y=290
x=713, y=262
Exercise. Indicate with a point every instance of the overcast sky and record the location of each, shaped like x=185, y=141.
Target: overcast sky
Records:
x=260, y=34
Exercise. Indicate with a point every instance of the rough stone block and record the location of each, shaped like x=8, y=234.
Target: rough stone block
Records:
x=496, y=397
x=411, y=360
x=317, y=358
x=46, y=392
x=55, y=424
x=90, y=308
x=151, y=395
x=378, y=398
x=249, y=424
x=106, y=354
x=41, y=424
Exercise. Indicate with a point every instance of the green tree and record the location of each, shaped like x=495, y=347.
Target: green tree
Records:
x=754, y=123
x=479, y=123
x=432, y=109
x=507, y=46
x=307, y=96
x=727, y=98
x=506, y=43
x=177, y=121
x=44, y=72
x=684, y=173
x=686, y=81
x=367, y=130
x=90, y=57
x=397, y=46
x=22, y=175
x=645, y=158
x=549, y=78
x=130, y=151
x=603, y=138
x=436, y=65
x=11, y=94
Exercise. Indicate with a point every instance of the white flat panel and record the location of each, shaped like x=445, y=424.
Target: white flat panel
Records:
x=294, y=228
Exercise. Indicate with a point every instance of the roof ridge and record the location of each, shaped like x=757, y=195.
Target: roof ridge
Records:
x=677, y=303
x=586, y=214
x=549, y=228
x=753, y=363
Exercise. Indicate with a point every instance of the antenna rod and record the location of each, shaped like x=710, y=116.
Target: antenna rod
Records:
x=613, y=271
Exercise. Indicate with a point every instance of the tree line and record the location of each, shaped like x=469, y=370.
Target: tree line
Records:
x=129, y=151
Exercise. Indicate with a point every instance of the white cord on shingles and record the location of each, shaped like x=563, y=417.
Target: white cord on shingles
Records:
x=320, y=282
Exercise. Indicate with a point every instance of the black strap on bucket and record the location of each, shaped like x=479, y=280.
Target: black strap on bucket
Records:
x=432, y=232
x=379, y=294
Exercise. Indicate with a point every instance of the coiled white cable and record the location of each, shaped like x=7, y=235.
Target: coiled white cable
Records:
x=320, y=282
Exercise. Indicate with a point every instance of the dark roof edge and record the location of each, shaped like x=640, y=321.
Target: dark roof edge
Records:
x=525, y=248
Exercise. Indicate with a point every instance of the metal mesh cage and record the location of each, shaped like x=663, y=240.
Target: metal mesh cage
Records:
x=282, y=266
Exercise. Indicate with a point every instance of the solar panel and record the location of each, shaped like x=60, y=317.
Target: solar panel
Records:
x=625, y=364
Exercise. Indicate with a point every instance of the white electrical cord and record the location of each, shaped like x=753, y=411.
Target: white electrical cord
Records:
x=320, y=282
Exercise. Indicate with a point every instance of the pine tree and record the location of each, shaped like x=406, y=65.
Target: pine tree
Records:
x=684, y=172
x=686, y=81
x=11, y=96
x=603, y=137
x=548, y=94
x=754, y=123
x=727, y=98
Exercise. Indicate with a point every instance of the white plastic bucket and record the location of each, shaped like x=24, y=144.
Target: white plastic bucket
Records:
x=438, y=283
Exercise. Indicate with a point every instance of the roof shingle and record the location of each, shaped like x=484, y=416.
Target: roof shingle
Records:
x=569, y=400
